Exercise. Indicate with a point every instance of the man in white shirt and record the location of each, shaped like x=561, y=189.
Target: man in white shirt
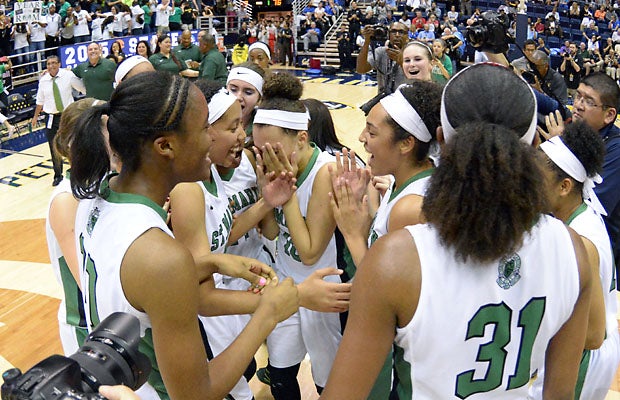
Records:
x=137, y=19
x=53, y=96
x=51, y=23
x=37, y=42
x=81, y=33
x=162, y=13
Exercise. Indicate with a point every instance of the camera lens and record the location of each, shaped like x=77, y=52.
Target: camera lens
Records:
x=110, y=354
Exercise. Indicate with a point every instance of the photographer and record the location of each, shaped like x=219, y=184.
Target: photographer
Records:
x=571, y=69
x=385, y=58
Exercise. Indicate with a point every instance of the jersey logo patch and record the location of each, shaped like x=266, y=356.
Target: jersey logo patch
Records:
x=508, y=271
x=92, y=220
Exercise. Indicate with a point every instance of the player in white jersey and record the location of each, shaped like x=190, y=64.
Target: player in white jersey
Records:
x=150, y=274
x=485, y=293
x=573, y=163
x=59, y=227
x=305, y=229
x=399, y=132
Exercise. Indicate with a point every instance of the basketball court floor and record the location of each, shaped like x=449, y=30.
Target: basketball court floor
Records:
x=29, y=293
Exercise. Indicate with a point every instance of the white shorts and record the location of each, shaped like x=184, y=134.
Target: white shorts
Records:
x=306, y=331
x=602, y=369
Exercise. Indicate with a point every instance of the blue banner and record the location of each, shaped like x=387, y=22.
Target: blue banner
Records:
x=72, y=55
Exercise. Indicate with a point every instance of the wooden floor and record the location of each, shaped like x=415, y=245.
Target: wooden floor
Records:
x=29, y=293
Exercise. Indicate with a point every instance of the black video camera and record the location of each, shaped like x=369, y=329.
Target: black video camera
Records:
x=109, y=356
x=490, y=33
x=379, y=33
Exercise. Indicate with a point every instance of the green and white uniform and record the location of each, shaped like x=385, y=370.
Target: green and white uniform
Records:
x=221, y=330
x=598, y=367
x=71, y=318
x=306, y=331
x=417, y=185
x=105, y=228
x=483, y=330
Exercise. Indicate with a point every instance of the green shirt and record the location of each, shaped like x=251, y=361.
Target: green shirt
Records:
x=2, y=71
x=63, y=9
x=191, y=53
x=162, y=63
x=213, y=66
x=98, y=78
x=147, y=15
x=175, y=16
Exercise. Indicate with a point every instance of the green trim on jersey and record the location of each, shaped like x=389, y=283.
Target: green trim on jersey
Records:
x=228, y=175
x=416, y=177
x=311, y=162
x=403, y=371
x=74, y=305
x=383, y=385
x=576, y=213
x=583, y=370
x=211, y=187
x=81, y=334
x=146, y=347
x=106, y=192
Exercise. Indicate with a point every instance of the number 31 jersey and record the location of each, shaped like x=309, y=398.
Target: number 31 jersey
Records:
x=481, y=331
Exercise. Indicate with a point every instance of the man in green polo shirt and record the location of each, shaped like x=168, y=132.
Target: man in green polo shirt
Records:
x=187, y=52
x=97, y=74
x=213, y=65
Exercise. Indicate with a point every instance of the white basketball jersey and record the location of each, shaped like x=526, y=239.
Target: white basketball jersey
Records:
x=482, y=330
x=417, y=185
x=105, y=228
x=71, y=310
x=288, y=262
x=218, y=217
x=600, y=365
x=242, y=191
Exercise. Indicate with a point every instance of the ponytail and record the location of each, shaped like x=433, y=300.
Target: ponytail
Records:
x=487, y=192
x=90, y=160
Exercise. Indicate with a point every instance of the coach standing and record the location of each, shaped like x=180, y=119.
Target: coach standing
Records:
x=53, y=96
x=97, y=74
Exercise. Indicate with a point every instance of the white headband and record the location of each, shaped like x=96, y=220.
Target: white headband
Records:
x=262, y=46
x=561, y=155
x=284, y=119
x=126, y=66
x=247, y=75
x=219, y=104
x=406, y=116
x=449, y=131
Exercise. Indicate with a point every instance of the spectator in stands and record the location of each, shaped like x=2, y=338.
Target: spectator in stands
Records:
x=425, y=35
x=586, y=20
x=553, y=28
x=188, y=53
x=312, y=37
x=465, y=7
x=551, y=82
x=97, y=73
x=583, y=51
x=611, y=65
x=148, y=15
x=213, y=65
x=37, y=42
x=418, y=21
x=435, y=10
x=453, y=16
x=613, y=22
x=571, y=67
x=137, y=18
x=20, y=34
x=5, y=34
x=599, y=14
x=433, y=25
x=595, y=62
x=81, y=33
x=143, y=48
x=369, y=17
x=542, y=46
x=442, y=64
x=64, y=8
x=590, y=31
x=188, y=15
x=539, y=26
x=380, y=11
x=174, y=20
x=102, y=26
x=454, y=48
x=574, y=11
x=52, y=23
x=240, y=51
x=162, y=15
x=115, y=52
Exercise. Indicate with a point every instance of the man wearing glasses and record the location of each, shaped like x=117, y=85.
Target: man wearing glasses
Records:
x=384, y=57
